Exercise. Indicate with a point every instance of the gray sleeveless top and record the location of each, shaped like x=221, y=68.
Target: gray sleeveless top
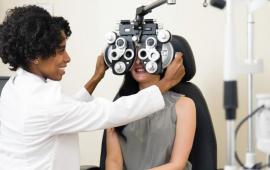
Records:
x=149, y=141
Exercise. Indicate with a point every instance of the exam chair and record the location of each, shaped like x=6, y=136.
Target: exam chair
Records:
x=203, y=155
x=3, y=80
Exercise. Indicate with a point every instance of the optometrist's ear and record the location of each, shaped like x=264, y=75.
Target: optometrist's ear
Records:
x=35, y=61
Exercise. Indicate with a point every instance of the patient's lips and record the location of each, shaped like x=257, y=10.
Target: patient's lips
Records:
x=138, y=67
x=140, y=70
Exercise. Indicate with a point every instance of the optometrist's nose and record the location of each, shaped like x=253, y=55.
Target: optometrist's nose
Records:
x=67, y=58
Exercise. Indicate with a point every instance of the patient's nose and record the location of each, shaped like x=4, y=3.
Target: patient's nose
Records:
x=137, y=60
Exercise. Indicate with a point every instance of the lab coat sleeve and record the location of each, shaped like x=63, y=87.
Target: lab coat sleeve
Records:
x=71, y=116
x=83, y=95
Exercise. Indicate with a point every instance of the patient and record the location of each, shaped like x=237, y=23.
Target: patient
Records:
x=162, y=141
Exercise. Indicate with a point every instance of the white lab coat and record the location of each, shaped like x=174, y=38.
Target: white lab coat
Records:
x=39, y=125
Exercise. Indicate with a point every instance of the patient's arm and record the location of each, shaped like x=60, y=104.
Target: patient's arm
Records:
x=114, y=159
x=185, y=131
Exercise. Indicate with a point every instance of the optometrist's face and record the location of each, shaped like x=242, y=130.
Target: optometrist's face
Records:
x=141, y=75
x=54, y=66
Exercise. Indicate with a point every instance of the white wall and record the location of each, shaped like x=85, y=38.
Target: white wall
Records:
x=202, y=27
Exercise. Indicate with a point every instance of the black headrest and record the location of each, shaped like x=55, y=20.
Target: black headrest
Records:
x=180, y=44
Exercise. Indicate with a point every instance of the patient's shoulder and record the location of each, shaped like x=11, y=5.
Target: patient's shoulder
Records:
x=185, y=105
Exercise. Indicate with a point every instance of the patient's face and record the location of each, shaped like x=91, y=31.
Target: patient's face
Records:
x=141, y=75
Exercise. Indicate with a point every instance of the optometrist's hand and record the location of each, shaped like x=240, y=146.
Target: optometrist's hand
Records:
x=100, y=70
x=101, y=67
x=173, y=75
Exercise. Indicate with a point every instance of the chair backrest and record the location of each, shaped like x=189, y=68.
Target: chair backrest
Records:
x=203, y=155
x=3, y=80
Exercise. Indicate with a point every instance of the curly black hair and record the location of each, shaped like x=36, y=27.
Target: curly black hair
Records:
x=29, y=32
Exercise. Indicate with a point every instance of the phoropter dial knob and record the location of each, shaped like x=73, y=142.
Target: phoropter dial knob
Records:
x=119, y=67
x=121, y=43
x=110, y=37
x=164, y=36
x=151, y=67
x=151, y=42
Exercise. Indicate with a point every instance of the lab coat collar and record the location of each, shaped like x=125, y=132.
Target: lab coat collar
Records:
x=22, y=72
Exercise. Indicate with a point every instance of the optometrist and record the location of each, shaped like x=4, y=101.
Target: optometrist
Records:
x=39, y=124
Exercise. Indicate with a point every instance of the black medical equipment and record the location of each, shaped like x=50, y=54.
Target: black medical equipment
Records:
x=140, y=37
x=218, y=3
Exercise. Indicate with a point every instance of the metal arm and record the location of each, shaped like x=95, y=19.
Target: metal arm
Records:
x=158, y=3
x=143, y=10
